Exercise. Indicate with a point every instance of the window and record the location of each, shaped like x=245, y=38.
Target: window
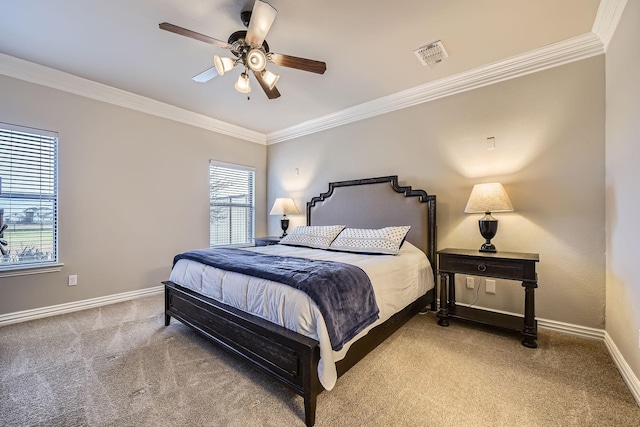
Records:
x=28, y=197
x=231, y=201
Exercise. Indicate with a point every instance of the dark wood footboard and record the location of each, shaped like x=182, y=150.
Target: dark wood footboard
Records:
x=287, y=356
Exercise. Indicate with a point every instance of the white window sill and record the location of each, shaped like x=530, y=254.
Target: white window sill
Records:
x=25, y=271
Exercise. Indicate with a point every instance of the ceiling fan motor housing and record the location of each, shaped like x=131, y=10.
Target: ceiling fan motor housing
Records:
x=237, y=40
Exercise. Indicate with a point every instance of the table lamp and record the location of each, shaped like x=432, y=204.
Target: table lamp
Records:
x=487, y=198
x=283, y=206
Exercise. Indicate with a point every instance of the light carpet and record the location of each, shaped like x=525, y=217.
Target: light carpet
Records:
x=119, y=365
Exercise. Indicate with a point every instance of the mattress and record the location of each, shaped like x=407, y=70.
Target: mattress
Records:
x=397, y=281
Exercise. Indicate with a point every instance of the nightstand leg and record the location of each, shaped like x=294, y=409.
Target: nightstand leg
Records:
x=443, y=313
x=452, y=291
x=530, y=331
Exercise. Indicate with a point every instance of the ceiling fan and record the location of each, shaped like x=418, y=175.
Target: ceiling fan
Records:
x=251, y=51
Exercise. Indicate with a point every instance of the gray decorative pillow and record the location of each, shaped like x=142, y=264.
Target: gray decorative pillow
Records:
x=312, y=236
x=371, y=241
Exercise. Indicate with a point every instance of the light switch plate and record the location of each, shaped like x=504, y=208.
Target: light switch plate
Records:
x=490, y=286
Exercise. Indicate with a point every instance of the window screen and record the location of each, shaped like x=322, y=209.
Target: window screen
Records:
x=231, y=196
x=28, y=197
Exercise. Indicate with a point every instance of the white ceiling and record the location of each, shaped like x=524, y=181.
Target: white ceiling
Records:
x=367, y=44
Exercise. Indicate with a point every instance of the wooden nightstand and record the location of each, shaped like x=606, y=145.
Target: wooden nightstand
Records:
x=501, y=265
x=266, y=241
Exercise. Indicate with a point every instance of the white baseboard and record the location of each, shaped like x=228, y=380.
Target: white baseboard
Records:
x=53, y=310
x=623, y=367
x=571, y=329
x=553, y=325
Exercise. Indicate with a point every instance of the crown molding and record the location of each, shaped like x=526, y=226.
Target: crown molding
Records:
x=24, y=70
x=566, y=51
x=607, y=19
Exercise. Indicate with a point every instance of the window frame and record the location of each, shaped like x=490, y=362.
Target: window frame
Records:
x=251, y=206
x=47, y=177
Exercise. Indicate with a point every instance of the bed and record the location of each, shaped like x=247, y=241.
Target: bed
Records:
x=297, y=360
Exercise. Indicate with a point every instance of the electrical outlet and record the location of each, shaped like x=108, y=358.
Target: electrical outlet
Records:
x=490, y=286
x=470, y=283
x=73, y=280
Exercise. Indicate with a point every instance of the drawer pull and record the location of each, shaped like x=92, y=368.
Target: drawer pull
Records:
x=482, y=267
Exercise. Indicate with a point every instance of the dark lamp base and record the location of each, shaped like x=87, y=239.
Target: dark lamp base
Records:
x=488, y=247
x=284, y=223
x=488, y=229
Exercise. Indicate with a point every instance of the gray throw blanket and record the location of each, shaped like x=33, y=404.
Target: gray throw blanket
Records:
x=342, y=292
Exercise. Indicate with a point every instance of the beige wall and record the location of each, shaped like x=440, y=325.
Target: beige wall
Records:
x=133, y=193
x=549, y=130
x=623, y=175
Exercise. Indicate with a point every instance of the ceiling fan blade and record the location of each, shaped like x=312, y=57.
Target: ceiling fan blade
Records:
x=298, y=63
x=262, y=17
x=192, y=34
x=206, y=75
x=271, y=93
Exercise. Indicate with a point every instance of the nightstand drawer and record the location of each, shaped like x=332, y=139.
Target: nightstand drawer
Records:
x=484, y=267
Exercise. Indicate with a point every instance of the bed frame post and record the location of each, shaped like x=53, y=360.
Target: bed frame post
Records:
x=432, y=252
x=167, y=317
x=312, y=385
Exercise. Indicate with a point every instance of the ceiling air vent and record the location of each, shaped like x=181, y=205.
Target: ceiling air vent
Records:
x=431, y=54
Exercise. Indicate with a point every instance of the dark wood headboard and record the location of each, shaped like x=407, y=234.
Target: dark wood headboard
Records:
x=375, y=203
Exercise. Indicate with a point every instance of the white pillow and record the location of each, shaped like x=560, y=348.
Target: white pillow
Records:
x=312, y=236
x=371, y=241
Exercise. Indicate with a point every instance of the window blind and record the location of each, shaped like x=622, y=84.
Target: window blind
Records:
x=28, y=196
x=232, y=199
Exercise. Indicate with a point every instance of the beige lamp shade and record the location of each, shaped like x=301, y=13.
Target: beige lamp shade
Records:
x=489, y=197
x=284, y=206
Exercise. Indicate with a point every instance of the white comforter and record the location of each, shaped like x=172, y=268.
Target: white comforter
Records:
x=397, y=281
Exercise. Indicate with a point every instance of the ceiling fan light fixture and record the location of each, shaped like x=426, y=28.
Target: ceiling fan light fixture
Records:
x=256, y=60
x=269, y=78
x=242, y=85
x=251, y=50
x=223, y=64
